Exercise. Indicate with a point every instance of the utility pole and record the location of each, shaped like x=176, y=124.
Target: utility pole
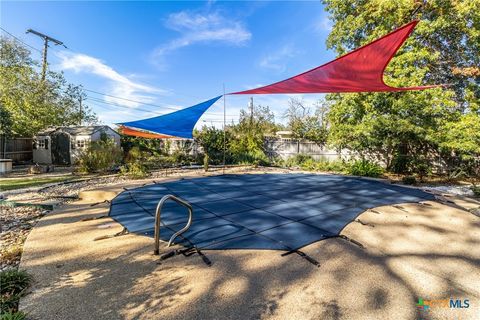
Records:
x=80, y=120
x=46, y=39
x=251, y=110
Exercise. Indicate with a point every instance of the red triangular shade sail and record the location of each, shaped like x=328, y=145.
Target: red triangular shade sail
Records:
x=358, y=71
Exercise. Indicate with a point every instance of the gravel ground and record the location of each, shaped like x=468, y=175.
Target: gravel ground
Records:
x=15, y=225
x=16, y=222
x=456, y=190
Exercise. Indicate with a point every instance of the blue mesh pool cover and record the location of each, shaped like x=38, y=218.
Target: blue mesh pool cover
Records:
x=257, y=211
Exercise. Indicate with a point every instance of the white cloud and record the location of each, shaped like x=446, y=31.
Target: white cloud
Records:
x=323, y=24
x=118, y=84
x=277, y=61
x=198, y=28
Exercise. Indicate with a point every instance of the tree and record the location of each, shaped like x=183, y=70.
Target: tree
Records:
x=400, y=127
x=304, y=124
x=211, y=140
x=249, y=143
x=34, y=104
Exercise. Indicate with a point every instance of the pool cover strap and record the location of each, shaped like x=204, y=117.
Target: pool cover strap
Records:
x=303, y=255
x=187, y=252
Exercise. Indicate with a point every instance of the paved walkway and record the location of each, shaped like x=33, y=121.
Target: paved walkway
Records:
x=411, y=251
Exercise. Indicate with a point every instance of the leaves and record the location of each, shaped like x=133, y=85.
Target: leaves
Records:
x=443, y=49
x=30, y=103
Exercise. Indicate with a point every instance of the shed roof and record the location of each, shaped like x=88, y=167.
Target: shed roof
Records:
x=75, y=130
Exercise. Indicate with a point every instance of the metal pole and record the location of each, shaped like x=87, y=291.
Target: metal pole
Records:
x=224, y=128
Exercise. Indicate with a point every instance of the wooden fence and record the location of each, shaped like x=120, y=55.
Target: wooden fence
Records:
x=18, y=149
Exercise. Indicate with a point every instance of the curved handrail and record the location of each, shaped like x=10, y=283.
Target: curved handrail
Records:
x=157, y=220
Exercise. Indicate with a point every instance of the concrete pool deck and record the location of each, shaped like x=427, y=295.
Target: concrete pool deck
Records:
x=412, y=251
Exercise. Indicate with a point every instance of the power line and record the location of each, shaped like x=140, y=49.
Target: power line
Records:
x=165, y=106
x=139, y=102
x=124, y=107
x=18, y=39
x=130, y=100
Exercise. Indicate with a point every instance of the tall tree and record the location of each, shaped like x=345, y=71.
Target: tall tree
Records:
x=250, y=133
x=400, y=127
x=307, y=125
x=31, y=103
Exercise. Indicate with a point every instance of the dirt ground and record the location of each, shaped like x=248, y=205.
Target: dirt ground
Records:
x=412, y=251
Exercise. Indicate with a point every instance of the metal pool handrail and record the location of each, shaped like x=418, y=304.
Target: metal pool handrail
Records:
x=157, y=220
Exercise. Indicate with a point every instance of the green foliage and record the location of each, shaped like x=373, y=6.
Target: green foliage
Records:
x=476, y=190
x=397, y=128
x=410, y=180
x=365, y=168
x=134, y=166
x=18, y=315
x=306, y=162
x=462, y=135
x=181, y=154
x=205, y=162
x=6, y=122
x=248, y=145
x=211, y=141
x=304, y=124
x=298, y=160
x=13, y=284
x=29, y=104
x=100, y=156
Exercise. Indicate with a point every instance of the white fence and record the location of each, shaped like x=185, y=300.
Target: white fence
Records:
x=286, y=148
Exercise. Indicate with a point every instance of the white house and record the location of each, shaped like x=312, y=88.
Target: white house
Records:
x=63, y=145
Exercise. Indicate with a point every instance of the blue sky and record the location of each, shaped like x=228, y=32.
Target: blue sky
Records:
x=176, y=54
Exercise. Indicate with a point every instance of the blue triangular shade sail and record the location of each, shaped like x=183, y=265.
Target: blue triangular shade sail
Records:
x=178, y=124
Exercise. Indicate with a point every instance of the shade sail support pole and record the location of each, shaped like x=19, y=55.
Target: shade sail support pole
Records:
x=224, y=128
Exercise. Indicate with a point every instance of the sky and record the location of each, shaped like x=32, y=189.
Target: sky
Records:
x=175, y=54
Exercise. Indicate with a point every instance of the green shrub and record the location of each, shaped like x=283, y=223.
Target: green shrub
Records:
x=365, y=168
x=205, y=162
x=476, y=190
x=19, y=315
x=13, y=284
x=298, y=160
x=135, y=164
x=14, y=281
x=335, y=166
x=421, y=166
x=410, y=180
x=100, y=156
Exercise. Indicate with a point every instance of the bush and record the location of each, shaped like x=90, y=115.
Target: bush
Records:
x=421, y=166
x=410, y=180
x=100, y=156
x=13, y=284
x=365, y=168
x=476, y=190
x=205, y=162
x=134, y=167
x=298, y=160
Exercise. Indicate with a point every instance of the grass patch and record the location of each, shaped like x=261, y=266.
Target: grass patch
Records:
x=19, y=315
x=20, y=183
x=12, y=253
x=13, y=284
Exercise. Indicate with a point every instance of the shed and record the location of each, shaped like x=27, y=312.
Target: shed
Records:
x=63, y=145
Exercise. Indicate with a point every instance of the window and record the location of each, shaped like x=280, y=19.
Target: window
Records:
x=80, y=144
x=41, y=144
